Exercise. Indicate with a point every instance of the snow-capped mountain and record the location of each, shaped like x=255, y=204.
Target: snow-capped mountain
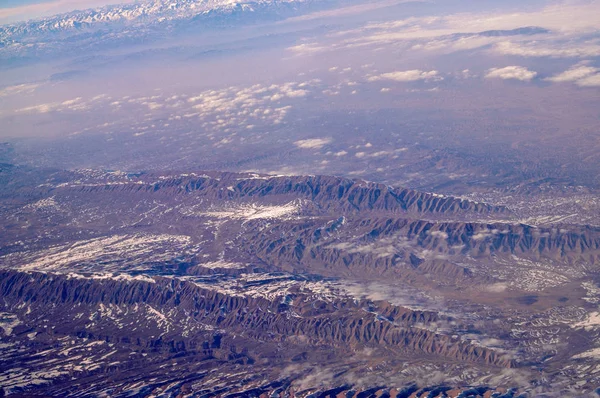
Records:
x=115, y=25
x=151, y=11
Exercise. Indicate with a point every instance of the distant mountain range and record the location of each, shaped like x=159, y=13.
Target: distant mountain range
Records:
x=134, y=15
x=138, y=22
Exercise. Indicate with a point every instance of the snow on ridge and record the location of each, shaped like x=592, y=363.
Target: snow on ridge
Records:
x=275, y=287
x=254, y=176
x=8, y=322
x=100, y=184
x=593, y=353
x=592, y=321
x=112, y=276
x=546, y=220
x=253, y=211
x=46, y=203
x=106, y=250
x=222, y=265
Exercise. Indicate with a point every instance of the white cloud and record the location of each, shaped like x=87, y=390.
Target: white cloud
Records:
x=384, y=248
x=348, y=10
x=439, y=234
x=313, y=143
x=72, y=101
x=42, y=108
x=496, y=287
x=511, y=72
x=574, y=73
x=581, y=74
x=563, y=26
x=451, y=44
x=18, y=89
x=576, y=16
x=551, y=49
x=72, y=104
x=380, y=153
x=484, y=234
x=295, y=93
x=590, y=81
x=408, y=76
x=307, y=49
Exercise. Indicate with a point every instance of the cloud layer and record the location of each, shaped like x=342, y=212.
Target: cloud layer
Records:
x=564, y=30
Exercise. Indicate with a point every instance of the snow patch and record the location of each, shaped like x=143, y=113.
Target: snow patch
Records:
x=254, y=211
x=592, y=321
x=106, y=250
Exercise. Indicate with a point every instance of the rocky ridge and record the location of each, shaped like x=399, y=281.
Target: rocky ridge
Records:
x=280, y=275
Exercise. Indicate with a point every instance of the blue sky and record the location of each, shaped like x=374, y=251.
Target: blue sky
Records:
x=19, y=3
x=15, y=3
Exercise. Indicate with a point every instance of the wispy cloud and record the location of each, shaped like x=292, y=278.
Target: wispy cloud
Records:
x=307, y=49
x=550, y=48
x=349, y=10
x=573, y=16
x=408, y=76
x=41, y=108
x=18, y=89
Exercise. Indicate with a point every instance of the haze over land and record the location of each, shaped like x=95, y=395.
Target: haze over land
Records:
x=192, y=145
